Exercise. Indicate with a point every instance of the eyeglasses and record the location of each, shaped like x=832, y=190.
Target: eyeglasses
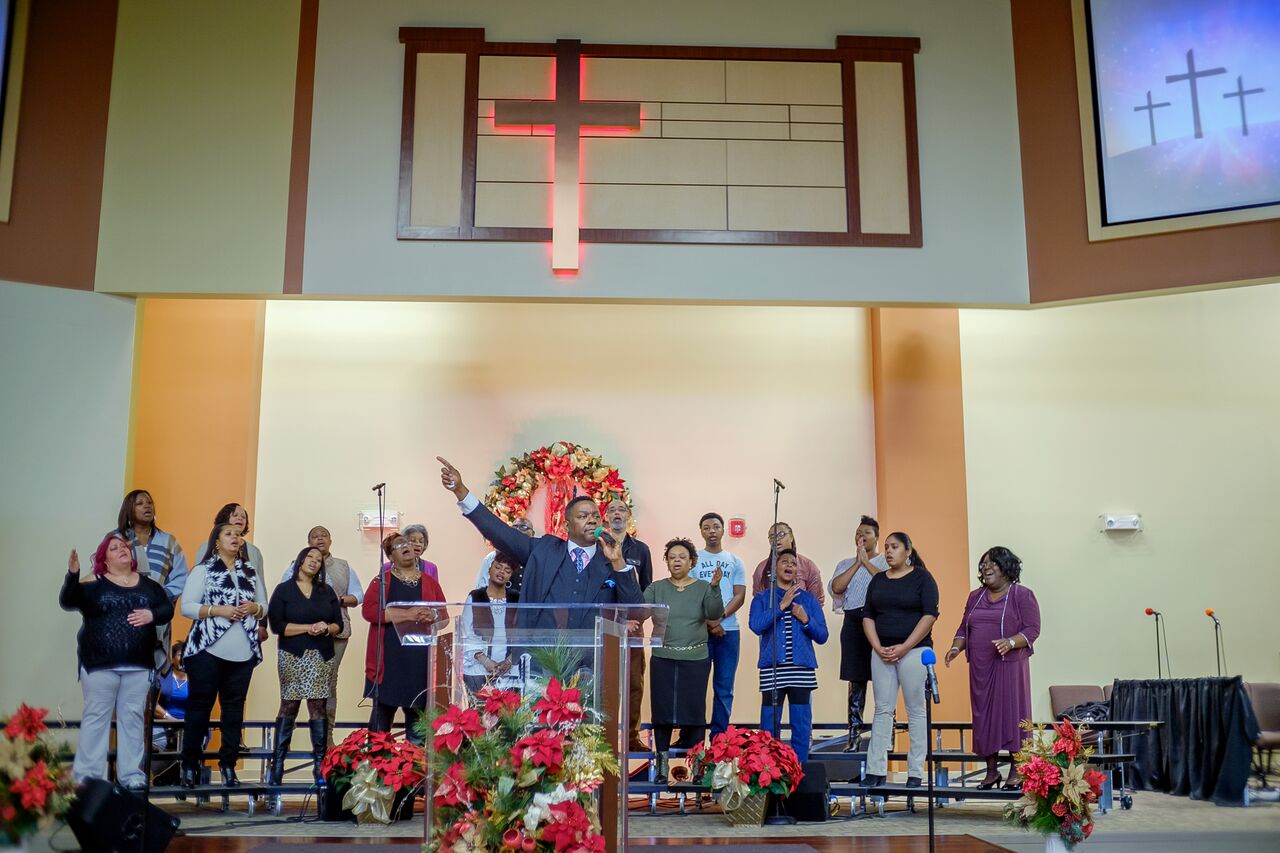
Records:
x=403, y=546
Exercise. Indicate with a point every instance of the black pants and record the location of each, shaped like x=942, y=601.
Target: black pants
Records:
x=381, y=716
x=226, y=682
x=690, y=736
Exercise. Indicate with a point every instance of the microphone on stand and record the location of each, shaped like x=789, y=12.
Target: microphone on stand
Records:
x=929, y=658
x=1219, y=649
x=1155, y=613
x=378, y=487
x=1159, y=617
x=778, y=483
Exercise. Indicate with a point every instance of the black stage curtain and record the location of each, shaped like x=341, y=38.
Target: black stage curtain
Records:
x=1204, y=748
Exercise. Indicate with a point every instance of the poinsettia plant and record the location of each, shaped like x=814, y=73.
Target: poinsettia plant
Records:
x=1059, y=787
x=369, y=769
x=742, y=762
x=35, y=785
x=513, y=773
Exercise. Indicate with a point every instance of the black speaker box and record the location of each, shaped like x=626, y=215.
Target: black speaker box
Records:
x=809, y=802
x=108, y=819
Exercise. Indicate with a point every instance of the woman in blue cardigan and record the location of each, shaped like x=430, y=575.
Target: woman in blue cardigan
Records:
x=788, y=630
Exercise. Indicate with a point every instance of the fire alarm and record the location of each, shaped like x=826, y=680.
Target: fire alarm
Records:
x=737, y=527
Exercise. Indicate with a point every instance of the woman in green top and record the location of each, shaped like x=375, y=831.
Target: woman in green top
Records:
x=680, y=668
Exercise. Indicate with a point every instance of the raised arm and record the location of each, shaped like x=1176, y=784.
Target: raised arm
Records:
x=490, y=526
x=70, y=597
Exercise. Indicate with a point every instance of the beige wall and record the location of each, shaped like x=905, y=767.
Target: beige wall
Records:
x=1166, y=407
x=699, y=407
x=196, y=180
x=66, y=360
x=970, y=185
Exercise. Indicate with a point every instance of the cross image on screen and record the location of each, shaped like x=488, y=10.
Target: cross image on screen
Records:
x=1186, y=99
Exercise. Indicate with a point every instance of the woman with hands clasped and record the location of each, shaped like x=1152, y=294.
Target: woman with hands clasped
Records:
x=789, y=621
x=1001, y=622
x=115, y=648
x=225, y=599
x=901, y=607
x=680, y=669
x=305, y=614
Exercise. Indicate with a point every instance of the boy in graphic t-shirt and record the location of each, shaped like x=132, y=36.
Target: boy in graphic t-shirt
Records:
x=724, y=641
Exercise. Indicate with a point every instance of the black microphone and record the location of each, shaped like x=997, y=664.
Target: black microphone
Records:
x=928, y=657
x=778, y=483
x=603, y=536
x=378, y=487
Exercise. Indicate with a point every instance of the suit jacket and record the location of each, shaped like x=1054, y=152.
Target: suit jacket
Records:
x=544, y=558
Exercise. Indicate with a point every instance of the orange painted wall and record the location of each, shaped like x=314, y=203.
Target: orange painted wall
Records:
x=920, y=474
x=194, y=435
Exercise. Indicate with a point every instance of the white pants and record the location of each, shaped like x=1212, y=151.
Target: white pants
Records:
x=907, y=674
x=106, y=691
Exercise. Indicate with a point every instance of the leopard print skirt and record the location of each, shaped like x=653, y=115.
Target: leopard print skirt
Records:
x=305, y=677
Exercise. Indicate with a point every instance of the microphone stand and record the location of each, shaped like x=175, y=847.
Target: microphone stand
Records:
x=1219, y=648
x=1160, y=673
x=1164, y=628
x=381, y=491
x=929, y=756
x=778, y=818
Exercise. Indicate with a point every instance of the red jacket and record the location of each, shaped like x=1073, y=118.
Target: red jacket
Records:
x=431, y=591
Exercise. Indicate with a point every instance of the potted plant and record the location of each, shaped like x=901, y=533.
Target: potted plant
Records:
x=745, y=767
x=519, y=774
x=1059, y=787
x=373, y=775
x=35, y=784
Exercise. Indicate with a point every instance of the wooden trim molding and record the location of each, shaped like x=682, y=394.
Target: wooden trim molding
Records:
x=300, y=158
x=11, y=98
x=848, y=50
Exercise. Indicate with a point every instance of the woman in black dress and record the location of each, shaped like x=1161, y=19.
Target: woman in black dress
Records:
x=396, y=675
x=304, y=613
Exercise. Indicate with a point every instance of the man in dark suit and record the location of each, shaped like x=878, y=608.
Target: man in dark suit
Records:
x=582, y=570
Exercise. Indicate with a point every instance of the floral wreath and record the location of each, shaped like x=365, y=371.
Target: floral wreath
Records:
x=566, y=469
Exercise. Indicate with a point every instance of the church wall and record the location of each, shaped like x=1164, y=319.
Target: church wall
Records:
x=699, y=407
x=1165, y=407
x=66, y=360
x=970, y=188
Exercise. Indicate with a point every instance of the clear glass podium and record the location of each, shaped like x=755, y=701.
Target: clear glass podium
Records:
x=521, y=648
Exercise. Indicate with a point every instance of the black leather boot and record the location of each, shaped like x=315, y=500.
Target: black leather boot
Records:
x=319, y=746
x=661, y=765
x=229, y=778
x=190, y=775
x=280, y=749
x=857, y=697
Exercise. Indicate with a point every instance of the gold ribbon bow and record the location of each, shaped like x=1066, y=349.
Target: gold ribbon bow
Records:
x=732, y=790
x=368, y=798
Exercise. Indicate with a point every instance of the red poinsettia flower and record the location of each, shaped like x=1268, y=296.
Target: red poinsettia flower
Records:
x=498, y=702
x=8, y=813
x=559, y=706
x=568, y=830
x=1095, y=780
x=26, y=723
x=1039, y=775
x=34, y=788
x=543, y=748
x=456, y=725
x=452, y=789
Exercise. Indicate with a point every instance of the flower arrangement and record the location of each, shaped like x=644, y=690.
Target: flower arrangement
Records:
x=373, y=767
x=518, y=774
x=35, y=785
x=1059, y=787
x=746, y=765
x=561, y=466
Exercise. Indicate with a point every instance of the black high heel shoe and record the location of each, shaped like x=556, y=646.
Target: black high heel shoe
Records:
x=229, y=779
x=989, y=783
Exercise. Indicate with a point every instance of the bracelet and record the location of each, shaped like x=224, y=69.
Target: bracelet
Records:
x=956, y=649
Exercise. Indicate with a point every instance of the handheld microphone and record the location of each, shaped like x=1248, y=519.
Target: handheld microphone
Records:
x=604, y=536
x=378, y=487
x=929, y=658
x=1151, y=612
x=1209, y=612
x=778, y=483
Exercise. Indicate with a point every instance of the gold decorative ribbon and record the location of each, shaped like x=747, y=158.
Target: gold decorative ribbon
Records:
x=733, y=791
x=368, y=798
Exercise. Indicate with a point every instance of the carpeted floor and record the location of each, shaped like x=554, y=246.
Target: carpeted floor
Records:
x=276, y=847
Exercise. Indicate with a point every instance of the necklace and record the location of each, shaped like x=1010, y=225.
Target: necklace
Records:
x=412, y=580
x=688, y=583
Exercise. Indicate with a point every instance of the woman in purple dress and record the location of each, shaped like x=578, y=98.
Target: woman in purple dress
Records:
x=1000, y=626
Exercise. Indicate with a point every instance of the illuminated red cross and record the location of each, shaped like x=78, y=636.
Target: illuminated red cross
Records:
x=567, y=114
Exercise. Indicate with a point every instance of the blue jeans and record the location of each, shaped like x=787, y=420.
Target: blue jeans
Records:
x=724, y=666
